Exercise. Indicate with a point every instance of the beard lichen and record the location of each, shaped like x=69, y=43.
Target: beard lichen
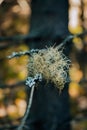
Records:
x=52, y=64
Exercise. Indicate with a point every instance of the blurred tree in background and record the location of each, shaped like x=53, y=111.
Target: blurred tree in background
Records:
x=14, y=20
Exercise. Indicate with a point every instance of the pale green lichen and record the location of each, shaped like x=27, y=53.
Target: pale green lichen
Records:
x=52, y=64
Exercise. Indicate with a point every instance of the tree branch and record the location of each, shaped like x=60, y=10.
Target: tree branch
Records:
x=69, y=38
x=19, y=38
x=3, y=86
x=14, y=38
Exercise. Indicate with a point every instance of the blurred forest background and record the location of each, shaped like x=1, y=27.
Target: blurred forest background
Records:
x=14, y=20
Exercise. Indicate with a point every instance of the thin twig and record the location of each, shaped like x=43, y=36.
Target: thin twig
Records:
x=28, y=109
x=70, y=37
x=30, y=82
x=21, y=53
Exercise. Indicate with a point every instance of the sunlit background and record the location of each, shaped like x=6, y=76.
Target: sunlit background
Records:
x=15, y=20
x=78, y=71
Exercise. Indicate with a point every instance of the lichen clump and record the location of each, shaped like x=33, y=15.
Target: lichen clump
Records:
x=52, y=64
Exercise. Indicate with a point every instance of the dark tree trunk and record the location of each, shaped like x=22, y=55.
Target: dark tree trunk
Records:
x=49, y=24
